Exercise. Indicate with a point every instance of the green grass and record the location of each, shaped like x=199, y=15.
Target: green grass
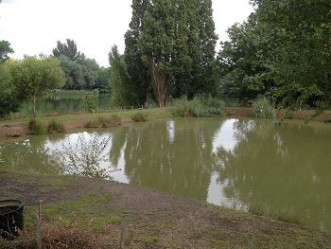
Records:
x=153, y=114
x=88, y=211
x=37, y=127
x=281, y=214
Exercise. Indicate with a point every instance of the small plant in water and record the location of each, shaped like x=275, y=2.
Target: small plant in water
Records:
x=36, y=127
x=85, y=156
x=55, y=127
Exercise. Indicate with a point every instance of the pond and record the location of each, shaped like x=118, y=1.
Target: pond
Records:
x=249, y=165
x=64, y=103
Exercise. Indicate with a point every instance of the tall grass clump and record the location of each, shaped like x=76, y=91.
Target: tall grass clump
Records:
x=111, y=121
x=139, y=117
x=36, y=127
x=55, y=127
x=104, y=122
x=263, y=109
x=200, y=106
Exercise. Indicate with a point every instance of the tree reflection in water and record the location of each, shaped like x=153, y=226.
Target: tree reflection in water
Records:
x=85, y=155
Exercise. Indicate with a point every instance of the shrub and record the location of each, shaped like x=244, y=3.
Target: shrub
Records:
x=55, y=127
x=36, y=127
x=107, y=122
x=183, y=108
x=139, y=117
x=200, y=106
x=263, y=109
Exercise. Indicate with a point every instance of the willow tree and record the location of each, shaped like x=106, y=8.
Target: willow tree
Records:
x=34, y=76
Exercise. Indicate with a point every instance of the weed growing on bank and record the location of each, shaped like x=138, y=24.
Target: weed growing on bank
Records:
x=263, y=109
x=200, y=106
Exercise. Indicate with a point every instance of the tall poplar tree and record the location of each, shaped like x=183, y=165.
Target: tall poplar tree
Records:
x=206, y=64
x=182, y=61
x=175, y=41
x=158, y=45
x=138, y=73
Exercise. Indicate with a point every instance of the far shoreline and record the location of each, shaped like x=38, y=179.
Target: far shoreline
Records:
x=14, y=128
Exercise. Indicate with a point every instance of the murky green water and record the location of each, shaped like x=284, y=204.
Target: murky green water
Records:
x=64, y=105
x=244, y=164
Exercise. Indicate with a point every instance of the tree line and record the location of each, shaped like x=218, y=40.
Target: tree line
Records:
x=31, y=77
x=170, y=52
x=282, y=51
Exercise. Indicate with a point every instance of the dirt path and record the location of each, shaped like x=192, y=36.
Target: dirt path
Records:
x=159, y=220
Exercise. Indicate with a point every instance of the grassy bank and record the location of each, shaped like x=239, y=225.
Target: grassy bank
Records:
x=87, y=213
x=71, y=122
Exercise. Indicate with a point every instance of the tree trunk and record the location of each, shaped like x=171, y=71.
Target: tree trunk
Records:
x=34, y=105
x=159, y=82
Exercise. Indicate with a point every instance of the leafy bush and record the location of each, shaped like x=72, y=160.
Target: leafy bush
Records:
x=139, y=117
x=200, y=106
x=263, y=109
x=36, y=127
x=55, y=127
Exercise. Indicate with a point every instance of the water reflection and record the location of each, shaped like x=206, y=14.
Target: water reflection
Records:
x=84, y=154
x=236, y=163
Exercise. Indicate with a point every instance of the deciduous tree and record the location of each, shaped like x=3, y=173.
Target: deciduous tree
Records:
x=9, y=102
x=5, y=49
x=34, y=76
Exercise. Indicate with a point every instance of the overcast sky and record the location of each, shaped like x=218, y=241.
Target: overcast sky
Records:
x=34, y=26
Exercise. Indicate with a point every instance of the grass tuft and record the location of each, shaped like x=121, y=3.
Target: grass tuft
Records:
x=55, y=127
x=36, y=127
x=139, y=117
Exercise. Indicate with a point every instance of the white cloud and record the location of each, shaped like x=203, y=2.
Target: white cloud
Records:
x=34, y=26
